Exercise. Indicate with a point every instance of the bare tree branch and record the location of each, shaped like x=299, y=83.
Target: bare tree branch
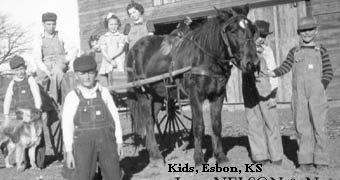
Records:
x=13, y=39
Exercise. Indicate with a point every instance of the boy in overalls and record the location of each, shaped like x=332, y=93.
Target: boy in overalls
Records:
x=259, y=94
x=23, y=92
x=91, y=126
x=312, y=72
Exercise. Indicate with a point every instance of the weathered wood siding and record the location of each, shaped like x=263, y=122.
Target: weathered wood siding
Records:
x=327, y=13
x=92, y=12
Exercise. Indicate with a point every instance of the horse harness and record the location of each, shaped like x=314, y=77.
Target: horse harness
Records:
x=204, y=70
x=199, y=70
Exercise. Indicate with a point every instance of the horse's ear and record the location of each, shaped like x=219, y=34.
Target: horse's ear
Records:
x=217, y=11
x=246, y=9
x=241, y=10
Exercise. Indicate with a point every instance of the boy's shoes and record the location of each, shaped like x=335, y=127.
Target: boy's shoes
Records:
x=305, y=168
x=321, y=167
x=277, y=163
x=263, y=162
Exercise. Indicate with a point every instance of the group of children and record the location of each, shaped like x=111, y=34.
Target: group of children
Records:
x=113, y=44
x=90, y=121
x=311, y=73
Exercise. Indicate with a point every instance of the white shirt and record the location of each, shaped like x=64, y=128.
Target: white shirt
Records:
x=34, y=89
x=268, y=56
x=70, y=108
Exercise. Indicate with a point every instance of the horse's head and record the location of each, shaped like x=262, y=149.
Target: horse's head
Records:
x=237, y=33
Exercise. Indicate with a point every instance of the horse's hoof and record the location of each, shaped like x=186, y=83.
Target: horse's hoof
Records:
x=221, y=159
x=20, y=168
x=157, y=162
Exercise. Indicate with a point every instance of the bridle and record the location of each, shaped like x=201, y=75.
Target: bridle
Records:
x=224, y=35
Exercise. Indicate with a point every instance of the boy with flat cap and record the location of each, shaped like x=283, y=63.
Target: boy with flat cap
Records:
x=23, y=92
x=53, y=53
x=91, y=126
x=259, y=92
x=312, y=72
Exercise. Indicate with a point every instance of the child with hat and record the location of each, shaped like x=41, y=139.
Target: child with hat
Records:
x=23, y=92
x=91, y=126
x=259, y=94
x=312, y=72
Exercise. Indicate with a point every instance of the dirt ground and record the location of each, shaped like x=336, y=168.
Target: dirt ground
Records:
x=235, y=144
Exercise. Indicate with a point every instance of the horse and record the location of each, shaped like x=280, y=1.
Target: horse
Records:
x=211, y=50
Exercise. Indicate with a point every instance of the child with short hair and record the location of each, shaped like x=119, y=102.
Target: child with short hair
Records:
x=91, y=126
x=23, y=92
x=139, y=27
x=312, y=72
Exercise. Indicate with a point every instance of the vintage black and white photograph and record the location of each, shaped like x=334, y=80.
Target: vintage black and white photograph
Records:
x=169, y=89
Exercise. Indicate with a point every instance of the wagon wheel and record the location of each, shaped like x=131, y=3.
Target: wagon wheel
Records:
x=53, y=123
x=172, y=124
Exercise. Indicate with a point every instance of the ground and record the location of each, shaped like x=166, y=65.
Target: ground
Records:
x=235, y=143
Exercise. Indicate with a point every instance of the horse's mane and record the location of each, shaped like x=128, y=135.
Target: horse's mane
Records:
x=207, y=35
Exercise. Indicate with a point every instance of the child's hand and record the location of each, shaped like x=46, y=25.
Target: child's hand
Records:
x=272, y=102
x=114, y=64
x=269, y=73
x=120, y=149
x=70, y=163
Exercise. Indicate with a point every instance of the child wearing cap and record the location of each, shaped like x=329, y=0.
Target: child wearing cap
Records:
x=112, y=45
x=312, y=72
x=91, y=126
x=23, y=92
x=259, y=94
x=139, y=27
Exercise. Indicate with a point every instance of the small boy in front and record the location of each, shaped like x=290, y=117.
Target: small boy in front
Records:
x=91, y=126
x=312, y=72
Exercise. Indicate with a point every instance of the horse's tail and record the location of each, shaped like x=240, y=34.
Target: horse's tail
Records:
x=138, y=119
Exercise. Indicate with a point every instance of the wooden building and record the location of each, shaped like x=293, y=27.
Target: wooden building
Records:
x=282, y=15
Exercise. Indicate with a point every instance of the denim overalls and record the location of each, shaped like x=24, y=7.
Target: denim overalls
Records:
x=22, y=95
x=94, y=139
x=54, y=58
x=310, y=106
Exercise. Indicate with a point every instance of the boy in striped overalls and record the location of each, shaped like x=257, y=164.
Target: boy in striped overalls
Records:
x=91, y=126
x=312, y=72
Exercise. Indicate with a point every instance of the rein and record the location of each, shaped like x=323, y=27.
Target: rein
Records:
x=231, y=59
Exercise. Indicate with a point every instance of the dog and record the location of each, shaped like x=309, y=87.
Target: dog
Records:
x=17, y=135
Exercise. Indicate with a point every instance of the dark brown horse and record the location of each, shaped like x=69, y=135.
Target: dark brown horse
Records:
x=211, y=50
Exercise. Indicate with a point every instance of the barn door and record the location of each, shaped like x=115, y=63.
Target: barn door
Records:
x=283, y=23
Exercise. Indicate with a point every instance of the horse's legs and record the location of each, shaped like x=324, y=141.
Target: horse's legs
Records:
x=198, y=126
x=215, y=114
x=150, y=141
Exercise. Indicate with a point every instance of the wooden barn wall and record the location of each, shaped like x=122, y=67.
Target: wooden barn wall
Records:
x=327, y=13
x=92, y=12
x=283, y=23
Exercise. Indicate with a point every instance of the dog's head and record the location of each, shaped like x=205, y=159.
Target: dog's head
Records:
x=28, y=115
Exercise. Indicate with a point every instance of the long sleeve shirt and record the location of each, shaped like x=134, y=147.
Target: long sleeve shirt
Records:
x=268, y=56
x=34, y=89
x=327, y=71
x=70, y=108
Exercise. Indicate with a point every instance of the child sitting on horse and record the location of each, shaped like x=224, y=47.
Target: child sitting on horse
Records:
x=23, y=92
x=91, y=126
